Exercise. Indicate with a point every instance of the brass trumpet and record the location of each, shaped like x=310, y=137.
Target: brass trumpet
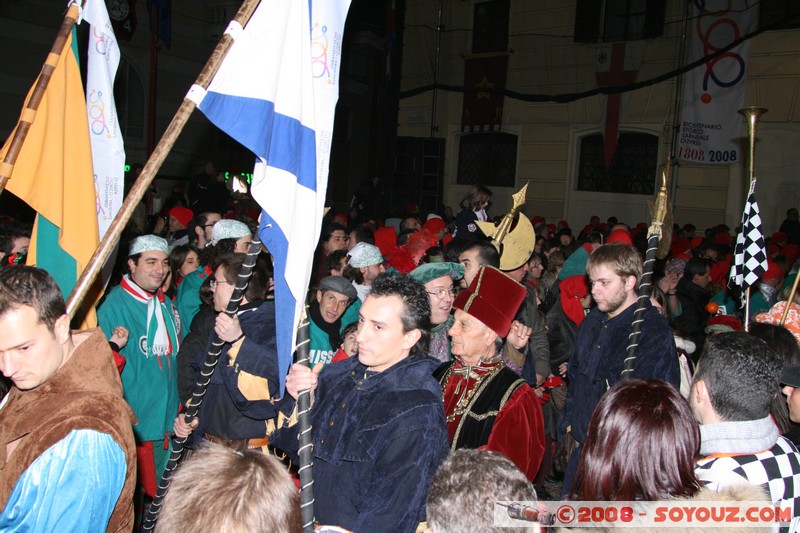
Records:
x=752, y=114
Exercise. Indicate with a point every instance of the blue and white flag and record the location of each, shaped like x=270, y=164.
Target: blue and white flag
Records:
x=276, y=93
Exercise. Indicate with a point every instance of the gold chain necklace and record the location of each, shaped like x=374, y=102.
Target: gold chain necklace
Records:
x=464, y=401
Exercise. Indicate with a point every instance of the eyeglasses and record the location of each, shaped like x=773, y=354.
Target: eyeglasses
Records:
x=442, y=293
x=214, y=282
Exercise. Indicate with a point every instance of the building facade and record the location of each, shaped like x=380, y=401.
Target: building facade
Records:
x=559, y=50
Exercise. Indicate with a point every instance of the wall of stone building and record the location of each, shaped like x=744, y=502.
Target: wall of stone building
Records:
x=544, y=60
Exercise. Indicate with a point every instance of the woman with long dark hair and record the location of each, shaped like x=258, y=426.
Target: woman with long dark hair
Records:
x=642, y=444
x=183, y=260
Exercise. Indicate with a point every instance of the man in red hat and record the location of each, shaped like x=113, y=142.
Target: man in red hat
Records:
x=487, y=405
x=178, y=222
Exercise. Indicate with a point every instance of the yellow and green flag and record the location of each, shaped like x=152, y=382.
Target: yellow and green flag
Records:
x=53, y=174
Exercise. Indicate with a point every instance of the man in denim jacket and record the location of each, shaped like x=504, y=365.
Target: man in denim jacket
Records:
x=379, y=431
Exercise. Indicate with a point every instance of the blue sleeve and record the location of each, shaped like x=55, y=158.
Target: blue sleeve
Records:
x=73, y=486
x=657, y=357
x=573, y=404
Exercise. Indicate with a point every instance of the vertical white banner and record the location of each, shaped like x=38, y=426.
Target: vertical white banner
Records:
x=108, y=152
x=711, y=129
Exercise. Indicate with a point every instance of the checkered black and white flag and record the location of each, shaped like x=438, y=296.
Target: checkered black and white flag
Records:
x=750, y=255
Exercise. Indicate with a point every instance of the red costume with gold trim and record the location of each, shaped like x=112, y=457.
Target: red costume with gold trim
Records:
x=490, y=407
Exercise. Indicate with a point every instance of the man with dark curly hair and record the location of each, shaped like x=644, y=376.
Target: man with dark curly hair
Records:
x=379, y=432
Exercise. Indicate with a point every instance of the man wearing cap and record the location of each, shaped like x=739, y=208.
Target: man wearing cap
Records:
x=367, y=264
x=438, y=280
x=599, y=352
x=227, y=236
x=334, y=296
x=487, y=405
x=149, y=379
x=526, y=348
x=177, y=224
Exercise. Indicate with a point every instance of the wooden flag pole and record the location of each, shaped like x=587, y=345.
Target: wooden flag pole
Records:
x=790, y=300
x=747, y=310
x=153, y=164
x=32, y=106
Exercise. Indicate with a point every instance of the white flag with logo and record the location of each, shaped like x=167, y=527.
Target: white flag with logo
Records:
x=711, y=128
x=108, y=152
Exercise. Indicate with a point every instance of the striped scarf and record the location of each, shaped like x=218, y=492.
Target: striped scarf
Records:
x=161, y=336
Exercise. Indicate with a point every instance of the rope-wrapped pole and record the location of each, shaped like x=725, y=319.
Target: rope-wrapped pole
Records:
x=203, y=379
x=645, y=291
x=32, y=105
x=654, y=233
x=305, y=447
x=152, y=165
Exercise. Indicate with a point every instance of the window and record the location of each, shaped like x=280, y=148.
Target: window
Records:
x=488, y=159
x=633, y=168
x=774, y=11
x=490, y=26
x=129, y=98
x=618, y=20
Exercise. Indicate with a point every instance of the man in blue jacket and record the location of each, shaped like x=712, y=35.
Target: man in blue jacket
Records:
x=379, y=431
x=598, y=354
x=241, y=406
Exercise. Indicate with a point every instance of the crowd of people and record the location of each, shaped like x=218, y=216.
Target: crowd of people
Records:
x=441, y=383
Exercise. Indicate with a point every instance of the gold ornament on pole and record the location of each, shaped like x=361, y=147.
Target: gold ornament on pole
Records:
x=515, y=246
